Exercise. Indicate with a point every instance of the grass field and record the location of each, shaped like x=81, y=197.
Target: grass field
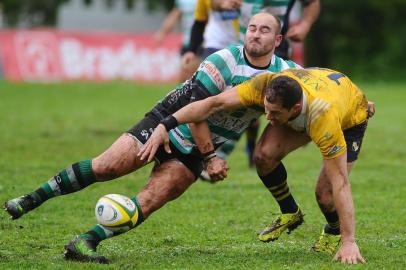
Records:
x=44, y=128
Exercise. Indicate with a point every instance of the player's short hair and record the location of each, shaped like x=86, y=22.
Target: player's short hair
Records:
x=269, y=11
x=285, y=90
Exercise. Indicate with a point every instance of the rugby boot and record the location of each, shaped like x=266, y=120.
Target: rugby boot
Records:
x=20, y=206
x=327, y=243
x=282, y=223
x=83, y=250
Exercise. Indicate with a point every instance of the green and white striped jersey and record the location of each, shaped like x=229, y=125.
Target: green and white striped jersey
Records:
x=218, y=73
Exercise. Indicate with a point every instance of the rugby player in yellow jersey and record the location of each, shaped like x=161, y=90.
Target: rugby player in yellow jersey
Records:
x=318, y=105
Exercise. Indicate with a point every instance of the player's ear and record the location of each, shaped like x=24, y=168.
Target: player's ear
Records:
x=278, y=40
x=297, y=108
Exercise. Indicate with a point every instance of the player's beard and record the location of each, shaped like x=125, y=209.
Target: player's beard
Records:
x=257, y=51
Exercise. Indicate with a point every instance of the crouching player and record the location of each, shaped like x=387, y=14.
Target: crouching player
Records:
x=318, y=105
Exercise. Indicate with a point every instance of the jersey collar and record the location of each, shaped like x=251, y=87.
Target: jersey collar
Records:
x=300, y=122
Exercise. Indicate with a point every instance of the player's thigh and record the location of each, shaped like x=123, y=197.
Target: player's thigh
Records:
x=167, y=182
x=277, y=141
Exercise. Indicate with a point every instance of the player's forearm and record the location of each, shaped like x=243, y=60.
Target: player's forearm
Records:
x=345, y=209
x=336, y=170
x=311, y=12
x=170, y=21
x=201, y=135
x=197, y=111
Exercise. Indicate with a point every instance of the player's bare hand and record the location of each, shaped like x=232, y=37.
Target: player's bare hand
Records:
x=158, y=137
x=349, y=253
x=298, y=32
x=230, y=4
x=371, y=109
x=187, y=58
x=217, y=168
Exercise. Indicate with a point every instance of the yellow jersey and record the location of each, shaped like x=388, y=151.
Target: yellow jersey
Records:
x=331, y=104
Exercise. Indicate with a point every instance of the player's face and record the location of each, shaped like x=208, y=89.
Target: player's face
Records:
x=276, y=114
x=261, y=37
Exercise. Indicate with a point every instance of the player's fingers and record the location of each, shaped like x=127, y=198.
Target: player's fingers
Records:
x=152, y=152
x=167, y=147
x=144, y=151
x=361, y=259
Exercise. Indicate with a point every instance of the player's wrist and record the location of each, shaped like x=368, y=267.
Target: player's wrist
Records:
x=209, y=155
x=169, y=122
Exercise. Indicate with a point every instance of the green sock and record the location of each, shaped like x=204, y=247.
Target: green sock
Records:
x=99, y=232
x=71, y=179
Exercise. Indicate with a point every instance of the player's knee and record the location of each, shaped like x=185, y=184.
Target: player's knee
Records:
x=264, y=158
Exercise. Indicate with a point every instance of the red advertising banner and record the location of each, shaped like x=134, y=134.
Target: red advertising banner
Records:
x=50, y=55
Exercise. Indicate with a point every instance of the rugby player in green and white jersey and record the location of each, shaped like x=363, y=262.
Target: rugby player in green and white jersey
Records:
x=223, y=70
x=173, y=172
x=297, y=33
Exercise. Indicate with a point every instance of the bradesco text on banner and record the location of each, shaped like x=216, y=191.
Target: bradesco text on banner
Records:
x=49, y=55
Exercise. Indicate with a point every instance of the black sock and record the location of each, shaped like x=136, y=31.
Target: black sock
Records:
x=275, y=181
x=333, y=223
x=71, y=179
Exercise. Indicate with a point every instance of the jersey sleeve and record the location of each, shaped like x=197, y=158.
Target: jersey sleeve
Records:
x=215, y=73
x=202, y=10
x=292, y=64
x=252, y=92
x=327, y=134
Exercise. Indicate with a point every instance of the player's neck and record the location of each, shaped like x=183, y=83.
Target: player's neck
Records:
x=261, y=62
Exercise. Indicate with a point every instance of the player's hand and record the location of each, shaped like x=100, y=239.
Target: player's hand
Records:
x=217, y=169
x=371, y=109
x=349, y=253
x=230, y=4
x=158, y=137
x=298, y=32
x=159, y=37
x=187, y=58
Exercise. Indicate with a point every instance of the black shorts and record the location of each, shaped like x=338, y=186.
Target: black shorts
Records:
x=143, y=130
x=353, y=138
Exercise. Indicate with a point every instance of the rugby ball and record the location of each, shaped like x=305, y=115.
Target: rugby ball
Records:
x=116, y=212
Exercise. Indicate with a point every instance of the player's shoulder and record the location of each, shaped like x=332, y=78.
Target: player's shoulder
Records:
x=279, y=64
x=230, y=55
x=236, y=51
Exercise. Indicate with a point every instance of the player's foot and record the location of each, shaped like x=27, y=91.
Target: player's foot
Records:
x=282, y=223
x=19, y=206
x=83, y=250
x=327, y=243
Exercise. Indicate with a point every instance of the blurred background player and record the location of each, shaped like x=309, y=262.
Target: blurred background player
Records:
x=295, y=33
x=212, y=30
x=183, y=11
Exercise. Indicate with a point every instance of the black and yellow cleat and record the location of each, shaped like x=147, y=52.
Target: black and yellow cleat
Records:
x=327, y=243
x=82, y=250
x=284, y=222
x=19, y=206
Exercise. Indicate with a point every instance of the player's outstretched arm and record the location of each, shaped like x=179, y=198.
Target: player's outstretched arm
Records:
x=200, y=110
x=216, y=167
x=193, y=113
x=336, y=170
